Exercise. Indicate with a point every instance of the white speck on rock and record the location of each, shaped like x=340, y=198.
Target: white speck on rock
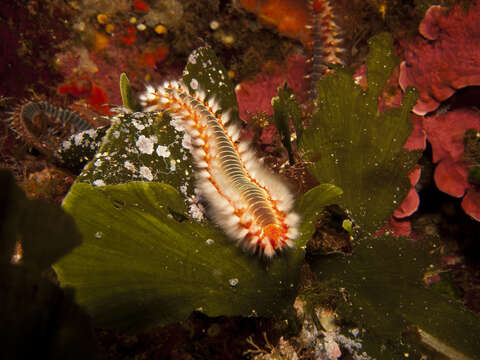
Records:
x=99, y=182
x=196, y=211
x=233, y=282
x=145, y=145
x=194, y=84
x=146, y=173
x=129, y=166
x=163, y=151
x=138, y=125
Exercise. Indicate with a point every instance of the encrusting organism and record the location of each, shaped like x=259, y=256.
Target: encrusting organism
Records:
x=248, y=202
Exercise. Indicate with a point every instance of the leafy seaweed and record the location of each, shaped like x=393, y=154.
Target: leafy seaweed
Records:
x=311, y=204
x=145, y=262
x=126, y=92
x=284, y=108
x=353, y=146
x=383, y=292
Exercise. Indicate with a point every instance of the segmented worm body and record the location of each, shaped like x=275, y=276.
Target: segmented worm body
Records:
x=45, y=126
x=34, y=108
x=325, y=43
x=248, y=202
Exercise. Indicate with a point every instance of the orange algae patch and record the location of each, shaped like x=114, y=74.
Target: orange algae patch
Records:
x=84, y=88
x=289, y=16
x=100, y=41
x=99, y=100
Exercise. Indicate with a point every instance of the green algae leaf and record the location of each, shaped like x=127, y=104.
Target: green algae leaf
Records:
x=284, y=108
x=144, y=262
x=205, y=71
x=310, y=205
x=381, y=61
x=381, y=282
x=126, y=92
x=354, y=147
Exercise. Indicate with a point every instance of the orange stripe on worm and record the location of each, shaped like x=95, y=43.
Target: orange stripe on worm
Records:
x=249, y=203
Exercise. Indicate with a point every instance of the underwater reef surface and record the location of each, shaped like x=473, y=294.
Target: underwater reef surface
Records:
x=143, y=263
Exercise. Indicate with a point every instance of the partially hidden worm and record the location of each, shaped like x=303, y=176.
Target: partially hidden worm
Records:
x=45, y=126
x=325, y=40
x=249, y=203
x=33, y=108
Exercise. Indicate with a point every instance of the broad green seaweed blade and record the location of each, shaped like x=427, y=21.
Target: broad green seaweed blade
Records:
x=357, y=149
x=145, y=262
x=310, y=205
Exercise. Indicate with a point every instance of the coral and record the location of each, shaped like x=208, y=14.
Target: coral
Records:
x=141, y=5
x=150, y=58
x=445, y=58
x=411, y=202
x=49, y=183
x=446, y=134
x=85, y=88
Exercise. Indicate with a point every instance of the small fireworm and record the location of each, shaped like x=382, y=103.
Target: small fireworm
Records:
x=248, y=202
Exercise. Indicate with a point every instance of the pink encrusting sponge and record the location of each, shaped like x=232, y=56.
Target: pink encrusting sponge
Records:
x=248, y=202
